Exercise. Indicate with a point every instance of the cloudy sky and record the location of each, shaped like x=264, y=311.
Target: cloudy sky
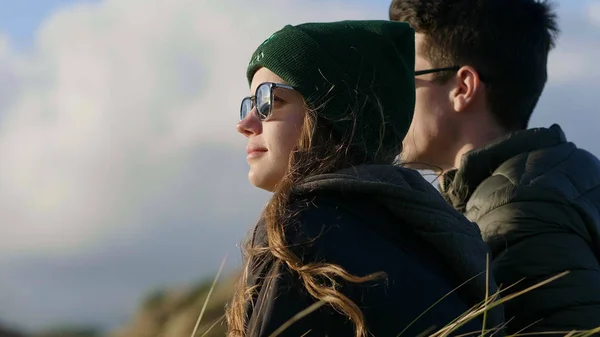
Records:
x=120, y=167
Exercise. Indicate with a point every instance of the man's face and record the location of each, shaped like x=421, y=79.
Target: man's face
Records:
x=429, y=141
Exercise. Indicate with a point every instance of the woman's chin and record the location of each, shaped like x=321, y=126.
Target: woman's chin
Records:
x=265, y=179
x=260, y=180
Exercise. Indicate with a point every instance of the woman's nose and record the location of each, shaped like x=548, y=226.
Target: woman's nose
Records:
x=250, y=125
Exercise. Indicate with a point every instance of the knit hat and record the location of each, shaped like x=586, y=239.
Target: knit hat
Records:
x=365, y=67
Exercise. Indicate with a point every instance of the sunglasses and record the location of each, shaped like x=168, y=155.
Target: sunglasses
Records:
x=262, y=100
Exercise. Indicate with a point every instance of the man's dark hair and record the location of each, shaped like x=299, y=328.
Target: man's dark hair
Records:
x=506, y=41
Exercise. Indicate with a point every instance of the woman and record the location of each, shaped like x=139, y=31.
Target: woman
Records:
x=366, y=246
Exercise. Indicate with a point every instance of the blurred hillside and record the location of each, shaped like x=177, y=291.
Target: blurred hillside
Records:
x=5, y=332
x=173, y=313
x=165, y=313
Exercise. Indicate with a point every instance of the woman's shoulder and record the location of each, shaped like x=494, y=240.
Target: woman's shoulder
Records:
x=338, y=213
x=360, y=234
x=344, y=229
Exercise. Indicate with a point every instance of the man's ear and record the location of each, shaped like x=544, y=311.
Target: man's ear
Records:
x=468, y=85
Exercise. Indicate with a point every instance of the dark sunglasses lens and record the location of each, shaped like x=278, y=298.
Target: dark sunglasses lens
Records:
x=263, y=100
x=246, y=107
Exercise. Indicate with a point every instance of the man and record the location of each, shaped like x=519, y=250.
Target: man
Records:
x=480, y=70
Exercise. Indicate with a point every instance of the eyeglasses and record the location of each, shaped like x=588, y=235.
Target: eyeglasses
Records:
x=436, y=70
x=262, y=100
x=454, y=68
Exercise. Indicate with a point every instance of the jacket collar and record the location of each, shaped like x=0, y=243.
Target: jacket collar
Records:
x=477, y=165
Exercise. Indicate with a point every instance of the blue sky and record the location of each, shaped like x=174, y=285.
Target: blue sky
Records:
x=120, y=167
x=20, y=19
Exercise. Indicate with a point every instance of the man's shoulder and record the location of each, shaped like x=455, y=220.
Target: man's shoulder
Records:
x=563, y=173
x=560, y=161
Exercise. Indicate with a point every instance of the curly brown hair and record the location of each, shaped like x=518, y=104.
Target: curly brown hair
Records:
x=318, y=151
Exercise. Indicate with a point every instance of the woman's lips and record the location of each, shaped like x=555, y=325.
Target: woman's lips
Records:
x=254, y=151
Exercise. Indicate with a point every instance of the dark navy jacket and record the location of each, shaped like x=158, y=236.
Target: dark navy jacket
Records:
x=536, y=199
x=371, y=219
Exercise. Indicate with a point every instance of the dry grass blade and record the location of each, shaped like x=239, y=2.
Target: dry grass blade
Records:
x=478, y=332
x=526, y=327
x=212, y=287
x=512, y=285
x=487, y=305
x=589, y=332
x=535, y=286
x=213, y=325
x=436, y=303
x=424, y=333
x=297, y=317
x=501, y=327
x=487, y=291
x=467, y=316
x=473, y=333
x=541, y=333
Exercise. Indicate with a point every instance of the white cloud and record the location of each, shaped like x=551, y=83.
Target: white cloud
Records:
x=117, y=134
x=594, y=13
x=4, y=44
x=566, y=65
x=115, y=90
x=576, y=54
x=119, y=125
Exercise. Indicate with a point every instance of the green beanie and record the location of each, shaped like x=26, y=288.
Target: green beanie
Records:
x=365, y=67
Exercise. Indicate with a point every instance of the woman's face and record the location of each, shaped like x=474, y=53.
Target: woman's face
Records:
x=272, y=139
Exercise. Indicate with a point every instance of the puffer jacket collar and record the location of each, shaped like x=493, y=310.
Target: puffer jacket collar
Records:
x=477, y=165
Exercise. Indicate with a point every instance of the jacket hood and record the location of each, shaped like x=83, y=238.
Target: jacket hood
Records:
x=411, y=198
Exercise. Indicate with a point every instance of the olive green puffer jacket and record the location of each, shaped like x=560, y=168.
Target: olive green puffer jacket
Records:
x=536, y=199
